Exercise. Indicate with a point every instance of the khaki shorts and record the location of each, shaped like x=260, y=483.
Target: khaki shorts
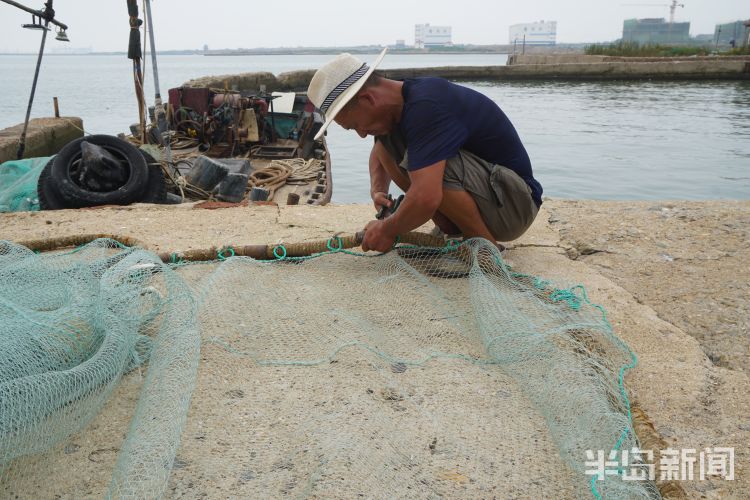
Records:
x=502, y=196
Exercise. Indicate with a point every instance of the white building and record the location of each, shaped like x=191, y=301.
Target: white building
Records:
x=540, y=33
x=431, y=36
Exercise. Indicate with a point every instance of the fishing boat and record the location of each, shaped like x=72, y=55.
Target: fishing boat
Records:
x=222, y=141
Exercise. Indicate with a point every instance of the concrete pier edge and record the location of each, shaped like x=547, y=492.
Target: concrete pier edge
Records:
x=45, y=137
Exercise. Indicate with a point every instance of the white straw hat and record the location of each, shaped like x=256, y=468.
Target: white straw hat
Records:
x=336, y=83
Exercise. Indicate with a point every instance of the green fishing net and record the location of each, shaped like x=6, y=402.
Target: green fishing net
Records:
x=18, y=183
x=418, y=373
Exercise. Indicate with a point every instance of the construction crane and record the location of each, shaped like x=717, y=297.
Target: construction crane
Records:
x=672, y=7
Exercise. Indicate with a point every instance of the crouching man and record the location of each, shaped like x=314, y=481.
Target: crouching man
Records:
x=449, y=148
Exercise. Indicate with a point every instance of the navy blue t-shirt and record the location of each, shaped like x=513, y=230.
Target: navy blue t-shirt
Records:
x=440, y=117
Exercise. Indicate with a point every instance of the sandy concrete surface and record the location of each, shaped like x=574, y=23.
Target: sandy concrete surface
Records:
x=673, y=277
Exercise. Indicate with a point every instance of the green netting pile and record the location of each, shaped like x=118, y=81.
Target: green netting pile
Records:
x=419, y=373
x=18, y=182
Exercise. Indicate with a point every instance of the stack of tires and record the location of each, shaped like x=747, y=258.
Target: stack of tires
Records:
x=100, y=170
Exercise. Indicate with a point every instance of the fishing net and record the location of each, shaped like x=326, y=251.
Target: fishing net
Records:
x=418, y=373
x=18, y=182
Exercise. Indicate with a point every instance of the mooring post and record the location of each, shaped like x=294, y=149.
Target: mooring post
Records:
x=57, y=108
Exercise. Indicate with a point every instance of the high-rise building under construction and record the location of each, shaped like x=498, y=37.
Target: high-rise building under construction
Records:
x=737, y=32
x=655, y=30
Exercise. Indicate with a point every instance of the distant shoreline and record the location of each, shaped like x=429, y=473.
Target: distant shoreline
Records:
x=275, y=53
x=304, y=51
x=291, y=53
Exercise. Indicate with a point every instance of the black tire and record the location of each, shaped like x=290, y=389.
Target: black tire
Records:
x=59, y=186
x=156, y=188
x=156, y=192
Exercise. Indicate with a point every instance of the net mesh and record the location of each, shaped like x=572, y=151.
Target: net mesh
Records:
x=421, y=372
x=18, y=184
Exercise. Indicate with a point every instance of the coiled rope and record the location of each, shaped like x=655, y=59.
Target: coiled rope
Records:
x=295, y=171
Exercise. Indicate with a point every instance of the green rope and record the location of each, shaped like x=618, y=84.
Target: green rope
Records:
x=339, y=247
x=567, y=296
x=279, y=256
x=220, y=254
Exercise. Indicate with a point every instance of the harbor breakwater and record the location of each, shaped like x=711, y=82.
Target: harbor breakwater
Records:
x=523, y=67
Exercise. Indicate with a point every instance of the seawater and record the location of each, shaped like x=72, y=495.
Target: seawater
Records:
x=594, y=140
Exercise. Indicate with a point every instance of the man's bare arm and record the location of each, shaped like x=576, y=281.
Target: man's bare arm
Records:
x=380, y=181
x=421, y=201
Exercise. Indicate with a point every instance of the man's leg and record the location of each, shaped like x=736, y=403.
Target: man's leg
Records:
x=460, y=207
x=461, y=210
x=501, y=207
x=401, y=179
x=458, y=211
x=445, y=224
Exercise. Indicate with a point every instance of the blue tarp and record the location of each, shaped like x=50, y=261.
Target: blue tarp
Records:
x=18, y=180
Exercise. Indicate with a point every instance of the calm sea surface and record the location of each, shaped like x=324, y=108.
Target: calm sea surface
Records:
x=609, y=140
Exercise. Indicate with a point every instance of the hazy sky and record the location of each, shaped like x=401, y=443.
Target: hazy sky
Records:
x=188, y=24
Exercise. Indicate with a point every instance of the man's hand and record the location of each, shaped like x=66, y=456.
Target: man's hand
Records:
x=380, y=199
x=378, y=237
